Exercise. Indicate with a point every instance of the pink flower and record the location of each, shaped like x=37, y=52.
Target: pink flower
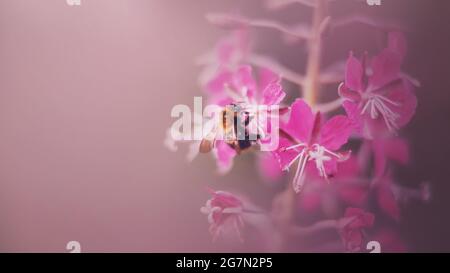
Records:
x=405, y=195
x=349, y=190
x=224, y=155
x=239, y=88
x=346, y=188
x=390, y=240
x=224, y=212
x=307, y=141
x=232, y=50
x=239, y=85
x=228, y=54
x=385, y=197
x=378, y=98
x=385, y=149
x=352, y=233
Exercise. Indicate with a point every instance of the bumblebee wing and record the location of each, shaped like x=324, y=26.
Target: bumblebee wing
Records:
x=207, y=143
x=206, y=146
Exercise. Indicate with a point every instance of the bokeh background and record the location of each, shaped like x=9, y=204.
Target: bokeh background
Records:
x=85, y=99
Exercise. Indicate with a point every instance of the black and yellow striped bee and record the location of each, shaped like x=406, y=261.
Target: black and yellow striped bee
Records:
x=233, y=126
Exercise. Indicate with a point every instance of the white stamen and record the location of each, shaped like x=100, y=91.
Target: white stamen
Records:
x=316, y=152
x=317, y=146
x=295, y=146
x=318, y=155
x=368, y=103
x=299, y=177
x=388, y=100
x=211, y=214
x=232, y=210
x=292, y=161
x=378, y=104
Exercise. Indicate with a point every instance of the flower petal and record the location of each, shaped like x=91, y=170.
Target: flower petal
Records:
x=224, y=156
x=285, y=157
x=225, y=199
x=386, y=199
x=354, y=73
x=335, y=132
x=362, y=218
x=404, y=96
x=386, y=68
x=273, y=94
x=310, y=201
x=243, y=80
x=397, y=43
x=232, y=49
x=354, y=115
x=331, y=167
x=384, y=149
x=353, y=195
x=216, y=85
x=349, y=94
x=301, y=121
x=266, y=77
x=390, y=240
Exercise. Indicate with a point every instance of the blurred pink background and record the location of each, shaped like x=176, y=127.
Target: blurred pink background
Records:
x=85, y=99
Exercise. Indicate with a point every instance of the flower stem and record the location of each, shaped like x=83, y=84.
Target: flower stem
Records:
x=329, y=106
x=320, y=226
x=311, y=88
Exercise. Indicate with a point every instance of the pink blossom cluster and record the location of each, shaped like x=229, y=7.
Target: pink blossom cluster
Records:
x=337, y=156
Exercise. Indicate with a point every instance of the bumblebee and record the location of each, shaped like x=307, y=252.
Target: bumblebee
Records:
x=233, y=125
